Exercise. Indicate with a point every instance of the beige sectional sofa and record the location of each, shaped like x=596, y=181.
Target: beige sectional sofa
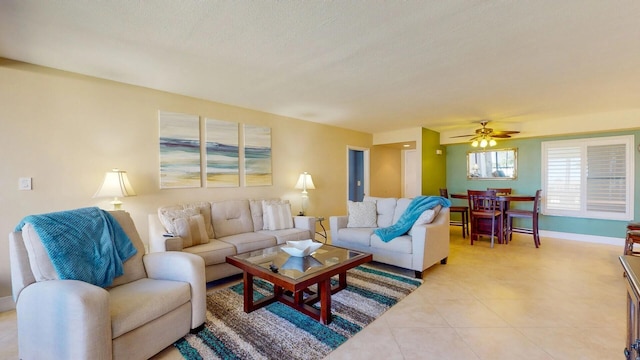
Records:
x=423, y=246
x=215, y=230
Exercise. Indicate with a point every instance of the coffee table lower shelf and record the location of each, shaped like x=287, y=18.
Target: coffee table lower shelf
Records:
x=297, y=301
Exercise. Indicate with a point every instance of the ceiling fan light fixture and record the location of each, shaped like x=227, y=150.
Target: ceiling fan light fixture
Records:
x=474, y=143
x=483, y=143
x=492, y=142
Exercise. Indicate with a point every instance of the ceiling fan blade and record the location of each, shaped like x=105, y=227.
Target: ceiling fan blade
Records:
x=500, y=136
x=504, y=132
x=462, y=135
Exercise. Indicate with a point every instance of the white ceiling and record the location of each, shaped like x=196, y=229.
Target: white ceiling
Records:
x=372, y=66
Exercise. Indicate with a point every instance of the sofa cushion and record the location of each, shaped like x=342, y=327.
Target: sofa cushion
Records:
x=385, y=208
x=279, y=217
x=192, y=230
x=205, y=209
x=42, y=267
x=362, y=214
x=400, y=244
x=360, y=236
x=249, y=241
x=133, y=268
x=231, y=217
x=214, y=252
x=139, y=302
x=401, y=206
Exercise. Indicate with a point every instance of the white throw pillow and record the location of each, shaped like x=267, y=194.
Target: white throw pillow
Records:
x=362, y=214
x=279, y=216
x=265, y=214
x=168, y=215
x=191, y=229
x=426, y=217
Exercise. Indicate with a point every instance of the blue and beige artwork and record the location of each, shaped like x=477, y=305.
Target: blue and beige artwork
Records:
x=179, y=150
x=257, y=156
x=223, y=169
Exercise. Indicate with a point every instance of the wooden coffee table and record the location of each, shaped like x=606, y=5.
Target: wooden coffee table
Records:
x=292, y=276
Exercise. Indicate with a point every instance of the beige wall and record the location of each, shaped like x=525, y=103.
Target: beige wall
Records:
x=386, y=171
x=65, y=130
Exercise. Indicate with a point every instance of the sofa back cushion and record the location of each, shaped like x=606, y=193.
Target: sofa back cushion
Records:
x=192, y=230
x=385, y=208
x=401, y=206
x=133, y=268
x=43, y=270
x=231, y=217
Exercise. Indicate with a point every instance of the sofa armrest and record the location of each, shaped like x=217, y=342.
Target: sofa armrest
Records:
x=186, y=267
x=82, y=308
x=306, y=223
x=430, y=242
x=158, y=242
x=336, y=223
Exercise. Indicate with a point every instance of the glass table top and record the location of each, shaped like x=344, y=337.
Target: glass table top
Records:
x=276, y=260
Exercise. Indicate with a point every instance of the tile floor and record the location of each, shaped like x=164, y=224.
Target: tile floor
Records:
x=565, y=300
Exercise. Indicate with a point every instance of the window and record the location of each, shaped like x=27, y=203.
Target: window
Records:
x=589, y=178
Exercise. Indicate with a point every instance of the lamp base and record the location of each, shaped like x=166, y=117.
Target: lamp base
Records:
x=117, y=204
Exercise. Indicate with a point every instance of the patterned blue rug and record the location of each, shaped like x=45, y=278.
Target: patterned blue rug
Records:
x=277, y=331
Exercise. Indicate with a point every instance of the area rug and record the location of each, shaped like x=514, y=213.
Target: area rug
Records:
x=277, y=331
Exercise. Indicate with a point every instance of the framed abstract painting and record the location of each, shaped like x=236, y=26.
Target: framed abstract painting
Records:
x=257, y=156
x=223, y=156
x=179, y=150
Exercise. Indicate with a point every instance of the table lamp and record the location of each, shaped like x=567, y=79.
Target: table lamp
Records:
x=115, y=184
x=305, y=183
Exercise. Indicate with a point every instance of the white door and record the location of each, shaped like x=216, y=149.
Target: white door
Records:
x=410, y=174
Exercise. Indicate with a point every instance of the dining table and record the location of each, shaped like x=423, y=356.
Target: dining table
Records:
x=504, y=201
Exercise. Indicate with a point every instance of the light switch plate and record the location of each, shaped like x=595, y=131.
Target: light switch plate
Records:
x=24, y=183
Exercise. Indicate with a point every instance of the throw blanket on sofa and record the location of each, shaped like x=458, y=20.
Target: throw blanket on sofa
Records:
x=416, y=207
x=86, y=244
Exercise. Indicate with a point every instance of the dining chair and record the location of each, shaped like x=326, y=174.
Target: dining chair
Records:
x=633, y=237
x=525, y=214
x=483, y=208
x=501, y=191
x=462, y=210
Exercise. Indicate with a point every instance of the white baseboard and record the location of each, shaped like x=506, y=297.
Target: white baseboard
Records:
x=6, y=303
x=583, y=238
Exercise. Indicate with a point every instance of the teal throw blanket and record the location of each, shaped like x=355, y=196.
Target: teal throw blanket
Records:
x=86, y=244
x=416, y=207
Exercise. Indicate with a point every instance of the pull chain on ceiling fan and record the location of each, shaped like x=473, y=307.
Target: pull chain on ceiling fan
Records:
x=486, y=136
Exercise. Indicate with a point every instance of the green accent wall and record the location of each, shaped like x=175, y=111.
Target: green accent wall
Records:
x=434, y=166
x=529, y=179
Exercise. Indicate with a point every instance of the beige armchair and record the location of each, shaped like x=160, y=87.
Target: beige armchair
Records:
x=159, y=299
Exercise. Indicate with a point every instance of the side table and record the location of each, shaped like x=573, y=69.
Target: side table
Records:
x=320, y=219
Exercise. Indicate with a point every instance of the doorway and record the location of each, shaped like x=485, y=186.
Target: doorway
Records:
x=357, y=173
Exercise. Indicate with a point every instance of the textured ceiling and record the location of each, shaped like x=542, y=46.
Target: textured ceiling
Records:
x=370, y=66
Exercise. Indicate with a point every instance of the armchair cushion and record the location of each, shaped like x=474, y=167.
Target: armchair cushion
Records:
x=136, y=303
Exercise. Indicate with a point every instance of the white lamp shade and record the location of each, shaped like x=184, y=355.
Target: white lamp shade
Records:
x=115, y=184
x=305, y=182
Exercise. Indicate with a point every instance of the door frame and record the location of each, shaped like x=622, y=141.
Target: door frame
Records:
x=366, y=168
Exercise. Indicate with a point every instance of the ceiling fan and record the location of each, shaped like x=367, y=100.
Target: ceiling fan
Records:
x=485, y=136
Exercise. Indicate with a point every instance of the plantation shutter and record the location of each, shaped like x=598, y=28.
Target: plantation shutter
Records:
x=606, y=178
x=563, y=178
x=589, y=178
